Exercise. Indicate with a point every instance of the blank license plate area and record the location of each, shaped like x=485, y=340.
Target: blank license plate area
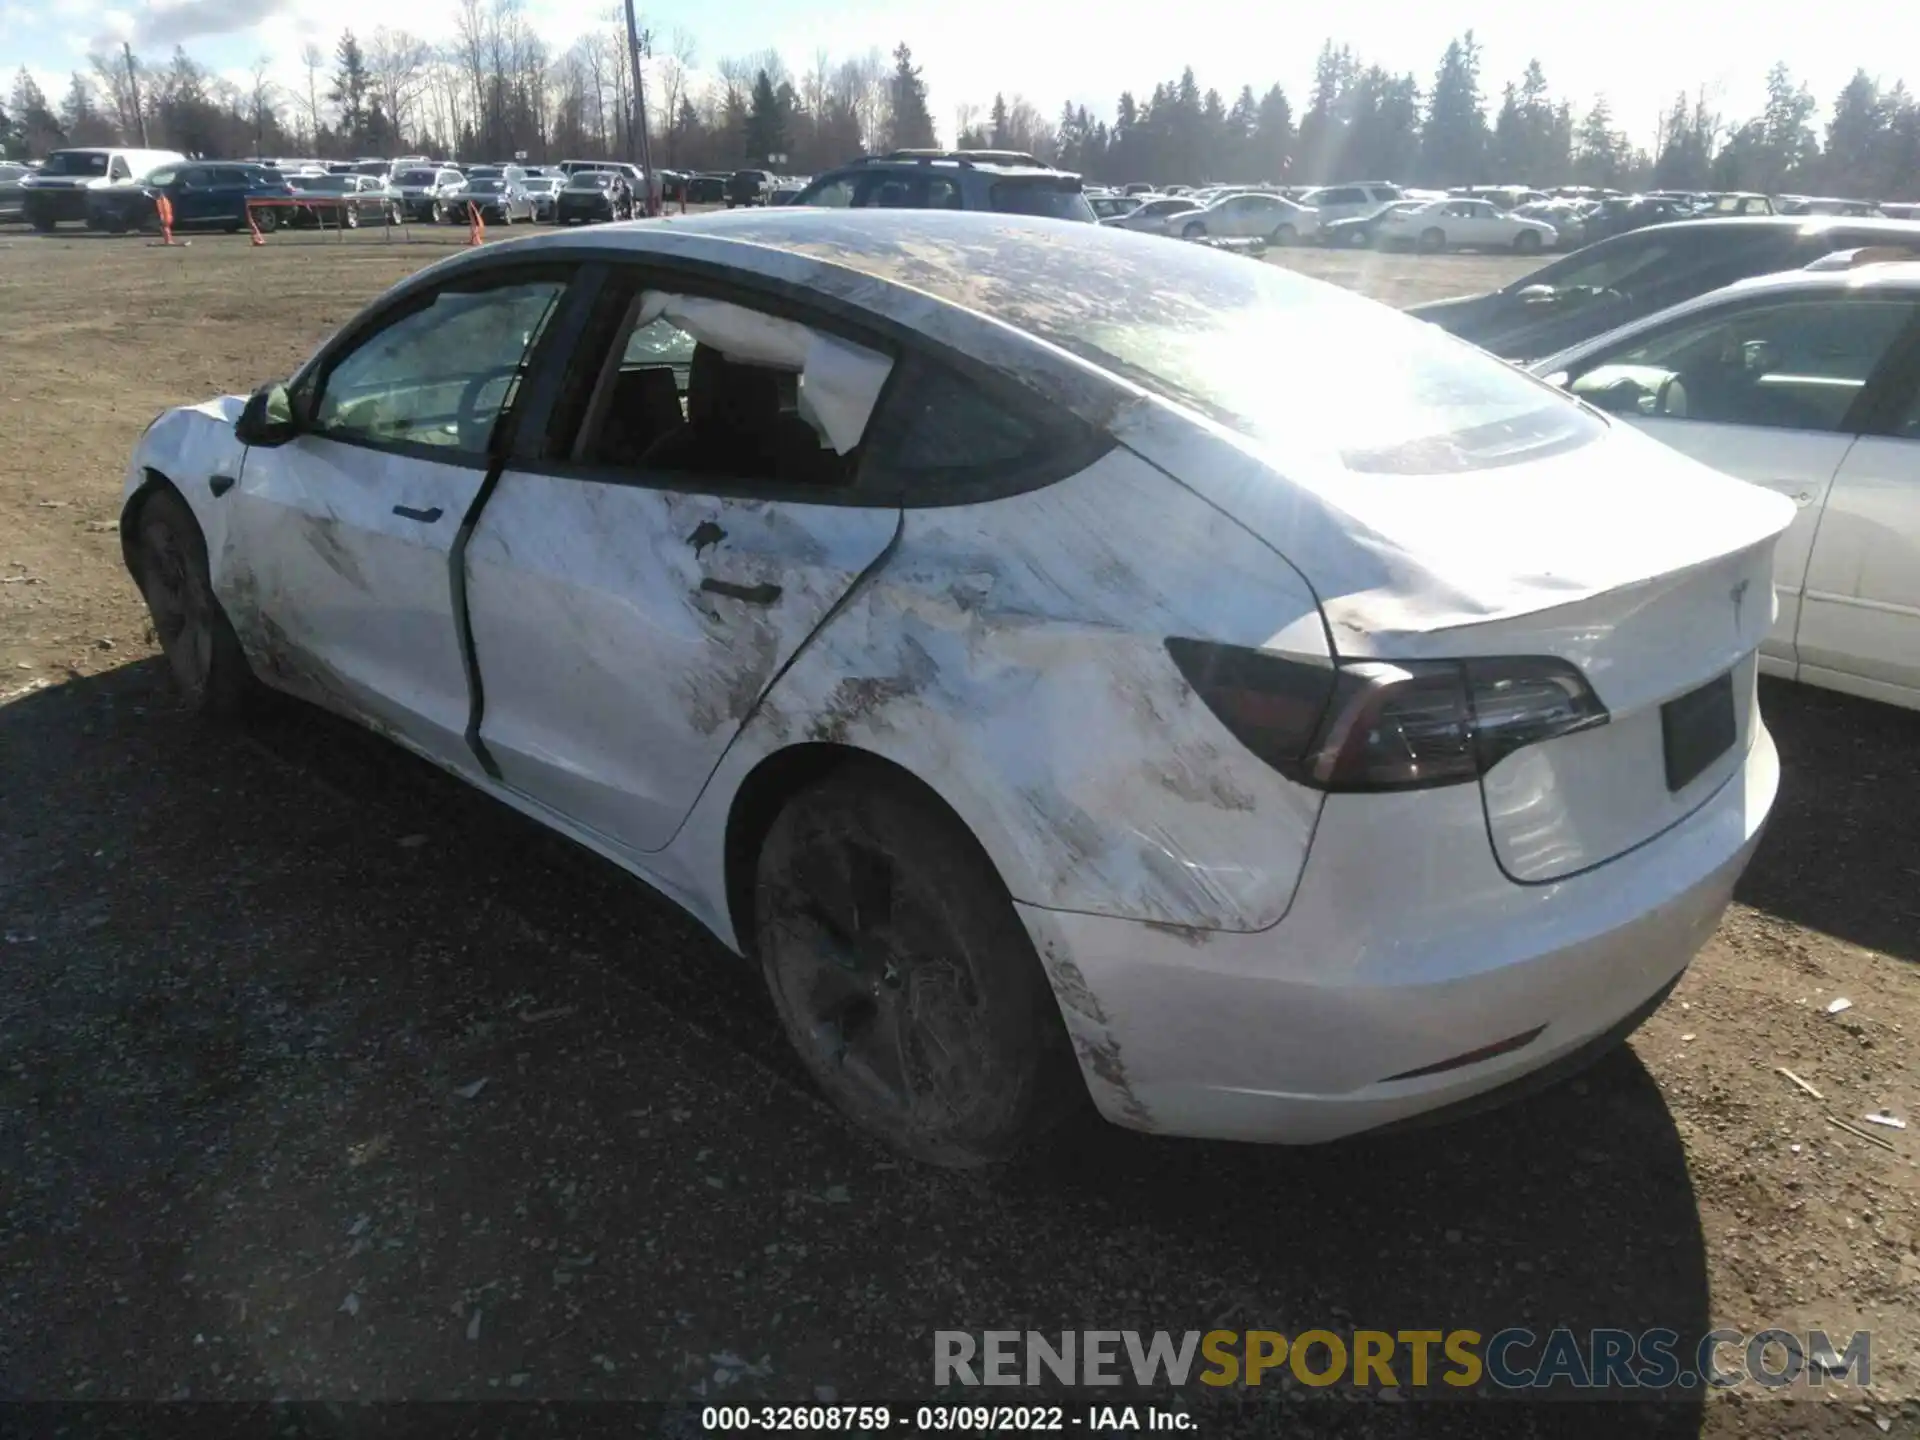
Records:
x=1697, y=729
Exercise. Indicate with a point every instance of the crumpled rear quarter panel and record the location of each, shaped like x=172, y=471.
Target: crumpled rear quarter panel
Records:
x=1010, y=654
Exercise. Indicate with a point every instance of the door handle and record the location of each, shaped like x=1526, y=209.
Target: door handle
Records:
x=762, y=594
x=425, y=517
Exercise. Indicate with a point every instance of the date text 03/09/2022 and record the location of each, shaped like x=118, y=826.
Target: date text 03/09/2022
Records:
x=938, y=1419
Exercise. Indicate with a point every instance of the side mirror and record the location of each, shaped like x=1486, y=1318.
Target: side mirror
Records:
x=267, y=419
x=1539, y=294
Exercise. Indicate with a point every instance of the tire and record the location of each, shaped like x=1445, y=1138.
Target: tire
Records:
x=1433, y=241
x=1527, y=242
x=1283, y=235
x=267, y=218
x=44, y=224
x=117, y=225
x=1358, y=239
x=349, y=217
x=439, y=212
x=937, y=1032
x=1193, y=230
x=203, y=654
x=395, y=216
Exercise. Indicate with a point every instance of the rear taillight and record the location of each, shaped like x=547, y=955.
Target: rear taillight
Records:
x=1386, y=725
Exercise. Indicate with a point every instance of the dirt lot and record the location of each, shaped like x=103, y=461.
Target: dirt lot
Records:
x=250, y=986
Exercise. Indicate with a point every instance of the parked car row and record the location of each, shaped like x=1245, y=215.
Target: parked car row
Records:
x=116, y=189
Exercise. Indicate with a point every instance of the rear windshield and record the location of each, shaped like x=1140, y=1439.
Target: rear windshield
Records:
x=75, y=162
x=1309, y=371
x=1057, y=199
x=590, y=180
x=486, y=186
x=331, y=184
x=416, y=177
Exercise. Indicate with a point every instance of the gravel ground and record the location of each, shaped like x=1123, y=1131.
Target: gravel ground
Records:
x=322, y=1077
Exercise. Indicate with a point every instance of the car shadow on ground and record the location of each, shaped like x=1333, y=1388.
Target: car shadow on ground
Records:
x=325, y=1057
x=1842, y=849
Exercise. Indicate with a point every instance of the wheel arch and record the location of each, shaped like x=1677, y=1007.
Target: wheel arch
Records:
x=151, y=482
x=766, y=790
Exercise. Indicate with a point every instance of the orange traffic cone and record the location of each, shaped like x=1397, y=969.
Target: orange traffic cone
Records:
x=476, y=227
x=254, y=226
x=164, y=208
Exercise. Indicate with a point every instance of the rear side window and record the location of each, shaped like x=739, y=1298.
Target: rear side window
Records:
x=1048, y=197
x=940, y=437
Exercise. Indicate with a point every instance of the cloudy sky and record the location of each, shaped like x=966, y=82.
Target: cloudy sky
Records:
x=1638, y=55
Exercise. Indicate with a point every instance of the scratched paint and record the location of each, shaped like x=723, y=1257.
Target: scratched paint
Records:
x=592, y=592
x=1010, y=654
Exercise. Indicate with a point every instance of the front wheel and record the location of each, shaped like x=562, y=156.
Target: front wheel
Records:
x=1358, y=239
x=1433, y=241
x=1284, y=235
x=350, y=218
x=1527, y=242
x=170, y=566
x=1193, y=231
x=903, y=976
x=266, y=219
x=42, y=223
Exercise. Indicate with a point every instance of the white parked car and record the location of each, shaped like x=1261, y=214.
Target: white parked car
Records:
x=1251, y=216
x=1351, y=202
x=1805, y=383
x=1453, y=224
x=1053, y=684
x=1156, y=215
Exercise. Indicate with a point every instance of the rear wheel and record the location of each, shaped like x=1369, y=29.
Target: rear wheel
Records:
x=1192, y=230
x=1358, y=238
x=1284, y=235
x=902, y=975
x=170, y=566
x=266, y=219
x=1527, y=242
x=439, y=212
x=43, y=223
x=1434, y=240
x=350, y=217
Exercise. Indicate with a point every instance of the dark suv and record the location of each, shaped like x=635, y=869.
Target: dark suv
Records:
x=1627, y=276
x=749, y=187
x=1008, y=181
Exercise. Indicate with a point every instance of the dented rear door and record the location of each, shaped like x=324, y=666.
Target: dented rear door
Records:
x=622, y=633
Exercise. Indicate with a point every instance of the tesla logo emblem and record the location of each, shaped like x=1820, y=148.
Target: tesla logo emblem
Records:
x=1739, y=593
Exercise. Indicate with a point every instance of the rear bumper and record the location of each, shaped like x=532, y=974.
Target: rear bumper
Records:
x=1405, y=950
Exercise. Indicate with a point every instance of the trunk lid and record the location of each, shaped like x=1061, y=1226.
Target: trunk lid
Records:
x=1649, y=572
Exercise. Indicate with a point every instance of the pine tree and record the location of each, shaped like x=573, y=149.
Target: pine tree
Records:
x=36, y=129
x=1453, y=146
x=351, y=82
x=1271, y=154
x=766, y=128
x=1599, y=151
x=911, y=125
x=997, y=138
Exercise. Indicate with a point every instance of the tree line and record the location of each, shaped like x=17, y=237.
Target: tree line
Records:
x=494, y=89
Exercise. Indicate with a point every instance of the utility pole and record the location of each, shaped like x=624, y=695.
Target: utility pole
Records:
x=638, y=129
x=133, y=84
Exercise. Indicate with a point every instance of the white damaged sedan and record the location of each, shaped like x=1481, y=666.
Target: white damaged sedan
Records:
x=1055, y=684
